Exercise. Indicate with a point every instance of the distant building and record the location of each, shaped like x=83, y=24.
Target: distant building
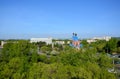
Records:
x=91, y=40
x=2, y=43
x=107, y=38
x=68, y=42
x=59, y=42
x=94, y=39
x=47, y=40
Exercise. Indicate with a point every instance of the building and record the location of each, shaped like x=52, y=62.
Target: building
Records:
x=94, y=39
x=2, y=44
x=91, y=40
x=62, y=42
x=47, y=40
x=107, y=38
x=59, y=42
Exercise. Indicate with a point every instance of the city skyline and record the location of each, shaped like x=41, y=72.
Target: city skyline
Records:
x=24, y=19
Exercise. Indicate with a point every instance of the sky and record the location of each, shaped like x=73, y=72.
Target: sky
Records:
x=24, y=19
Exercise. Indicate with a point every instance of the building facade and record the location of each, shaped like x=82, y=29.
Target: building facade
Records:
x=47, y=40
x=94, y=39
x=107, y=38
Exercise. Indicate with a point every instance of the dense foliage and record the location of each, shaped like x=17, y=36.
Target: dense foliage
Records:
x=20, y=60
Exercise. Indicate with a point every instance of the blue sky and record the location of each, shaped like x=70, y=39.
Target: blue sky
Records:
x=59, y=18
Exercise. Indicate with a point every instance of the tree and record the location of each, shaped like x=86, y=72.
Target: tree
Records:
x=45, y=49
x=100, y=45
x=118, y=43
x=11, y=68
x=112, y=45
x=40, y=44
x=0, y=42
x=85, y=43
x=118, y=46
x=118, y=50
x=20, y=60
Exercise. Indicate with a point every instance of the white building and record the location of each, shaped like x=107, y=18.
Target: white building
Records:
x=59, y=42
x=91, y=40
x=107, y=38
x=2, y=43
x=47, y=40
